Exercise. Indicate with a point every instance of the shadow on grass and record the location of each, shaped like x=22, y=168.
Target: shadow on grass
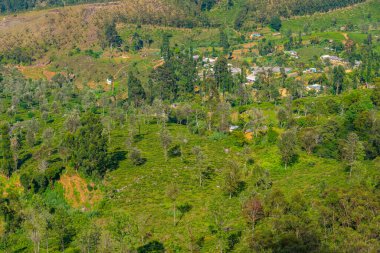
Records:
x=116, y=157
x=153, y=246
x=184, y=209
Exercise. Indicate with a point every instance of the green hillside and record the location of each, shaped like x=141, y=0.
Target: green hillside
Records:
x=190, y=126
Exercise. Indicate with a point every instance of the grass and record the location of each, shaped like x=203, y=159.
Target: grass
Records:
x=366, y=13
x=306, y=54
x=358, y=37
x=141, y=191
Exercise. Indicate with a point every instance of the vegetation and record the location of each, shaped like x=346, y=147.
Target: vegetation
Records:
x=193, y=126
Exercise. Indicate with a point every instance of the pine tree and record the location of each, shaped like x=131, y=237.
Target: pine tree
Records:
x=222, y=75
x=224, y=41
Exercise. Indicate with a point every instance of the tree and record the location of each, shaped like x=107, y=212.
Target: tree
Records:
x=223, y=115
x=338, y=79
x=136, y=93
x=275, y=23
x=165, y=47
x=88, y=146
x=72, y=122
x=253, y=211
x=36, y=226
x=124, y=231
x=232, y=178
x=89, y=238
x=166, y=140
x=6, y=151
x=63, y=228
x=172, y=192
x=222, y=75
x=199, y=158
x=224, y=41
x=137, y=42
x=15, y=146
x=288, y=147
x=110, y=37
x=309, y=140
x=136, y=158
x=255, y=120
x=352, y=150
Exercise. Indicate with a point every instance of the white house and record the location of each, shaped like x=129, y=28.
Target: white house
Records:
x=314, y=87
x=251, y=78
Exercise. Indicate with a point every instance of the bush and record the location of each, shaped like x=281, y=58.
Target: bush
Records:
x=135, y=156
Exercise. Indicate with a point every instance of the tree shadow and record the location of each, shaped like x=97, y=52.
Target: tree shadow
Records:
x=233, y=240
x=23, y=160
x=115, y=158
x=184, y=209
x=138, y=138
x=153, y=246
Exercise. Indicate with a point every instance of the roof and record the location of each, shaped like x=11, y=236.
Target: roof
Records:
x=257, y=70
x=316, y=87
x=235, y=71
x=232, y=128
x=251, y=78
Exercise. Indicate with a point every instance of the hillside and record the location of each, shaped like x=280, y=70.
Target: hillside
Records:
x=196, y=126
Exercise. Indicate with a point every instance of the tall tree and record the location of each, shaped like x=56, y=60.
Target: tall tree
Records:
x=172, y=193
x=288, y=147
x=253, y=211
x=222, y=75
x=6, y=151
x=136, y=92
x=166, y=140
x=199, y=158
x=338, y=79
x=223, y=40
x=232, y=178
x=352, y=150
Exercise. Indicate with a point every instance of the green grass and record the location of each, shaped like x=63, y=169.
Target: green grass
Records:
x=358, y=37
x=198, y=37
x=308, y=53
x=357, y=15
x=143, y=189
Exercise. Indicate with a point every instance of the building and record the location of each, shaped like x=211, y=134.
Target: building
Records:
x=314, y=87
x=255, y=35
x=292, y=54
x=233, y=128
x=196, y=57
x=310, y=71
x=210, y=60
x=251, y=78
x=335, y=60
x=263, y=70
x=235, y=71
